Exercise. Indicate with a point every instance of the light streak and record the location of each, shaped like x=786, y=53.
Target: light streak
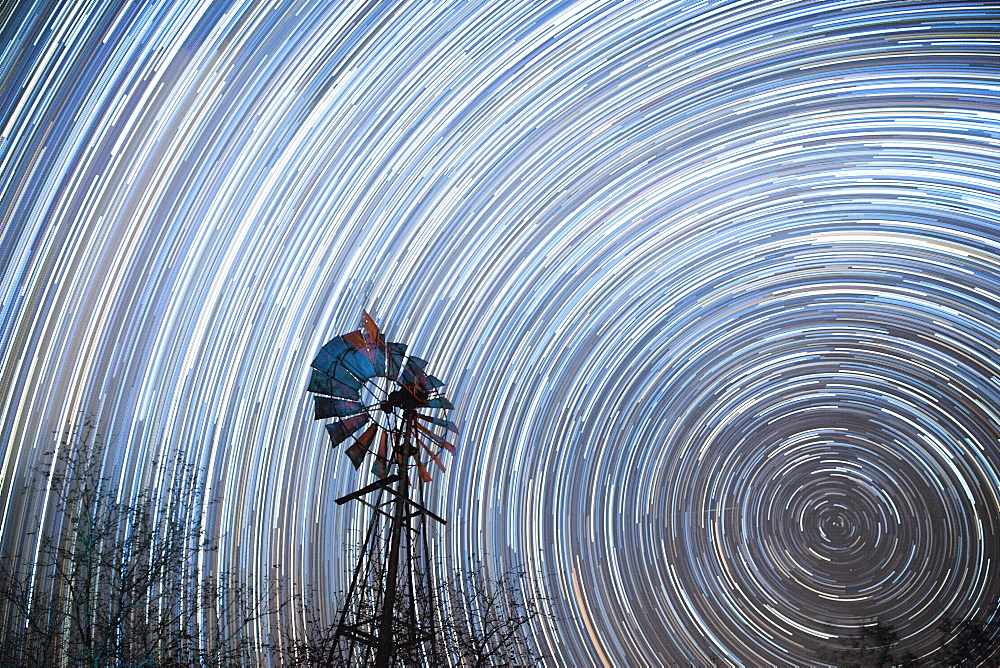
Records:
x=715, y=287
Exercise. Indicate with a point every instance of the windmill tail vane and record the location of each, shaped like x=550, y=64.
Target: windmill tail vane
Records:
x=382, y=401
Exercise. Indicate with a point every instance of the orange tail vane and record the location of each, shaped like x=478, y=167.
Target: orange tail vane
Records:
x=372, y=334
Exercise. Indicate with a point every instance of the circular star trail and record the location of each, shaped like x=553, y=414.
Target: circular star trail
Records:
x=714, y=286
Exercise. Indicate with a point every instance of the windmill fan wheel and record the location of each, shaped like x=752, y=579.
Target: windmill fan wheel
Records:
x=382, y=400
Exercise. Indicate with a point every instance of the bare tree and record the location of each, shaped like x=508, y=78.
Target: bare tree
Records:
x=488, y=618
x=473, y=619
x=308, y=640
x=112, y=582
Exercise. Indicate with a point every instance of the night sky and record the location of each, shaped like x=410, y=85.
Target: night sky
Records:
x=715, y=288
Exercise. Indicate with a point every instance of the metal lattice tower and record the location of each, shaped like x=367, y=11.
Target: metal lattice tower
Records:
x=362, y=381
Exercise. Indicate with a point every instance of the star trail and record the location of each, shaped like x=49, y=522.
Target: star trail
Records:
x=714, y=286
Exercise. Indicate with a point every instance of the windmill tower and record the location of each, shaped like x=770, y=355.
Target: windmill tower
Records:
x=392, y=412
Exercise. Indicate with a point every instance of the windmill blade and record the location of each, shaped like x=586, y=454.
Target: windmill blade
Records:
x=327, y=356
x=424, y=475
x=355, y=339
x=419, y=362
x=441, y=422
x=344, y=376
x=413, y=376
x=434, y=437
x=434, y=382
x=324, y=361
x=433, y=457
x=360, y=447
x=381, y=467
x=374, y=344
x=330, y=407
x=439, y=402
x=356, y=454
x=416, y=383
x=396, y=353
x=320, y=383
x=331, y=361
x=359, y=363
x=377, y=356
x=368, y=436
x=341, y=429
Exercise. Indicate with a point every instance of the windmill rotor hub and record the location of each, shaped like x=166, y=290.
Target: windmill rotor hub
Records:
x=405, y=398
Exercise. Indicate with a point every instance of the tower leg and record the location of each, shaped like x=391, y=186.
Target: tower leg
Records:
x=386, y=644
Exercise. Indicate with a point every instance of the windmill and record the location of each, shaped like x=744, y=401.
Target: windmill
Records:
x=388, y=410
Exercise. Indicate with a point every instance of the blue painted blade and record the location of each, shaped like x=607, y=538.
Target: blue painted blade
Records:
x=331, y=407
x=344, y=376
x=328, y=354
x=439, y=402
x=441, y=422
x=320, y=383
x=359, y=364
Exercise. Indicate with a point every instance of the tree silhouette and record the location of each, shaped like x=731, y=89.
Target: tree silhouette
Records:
x=873, y=646
x=972, y=642
x=489, y=616
x=112, y=582
x=107, y=581
x=475, y=620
